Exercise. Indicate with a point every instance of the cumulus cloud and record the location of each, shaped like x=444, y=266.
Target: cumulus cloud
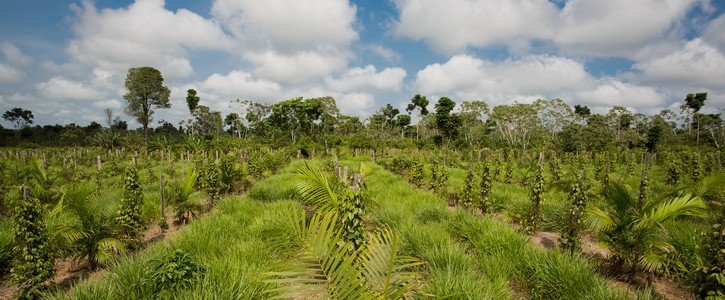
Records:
x=452, y=26
x=13, y=55
x=240, y=85
x=145, y=33
x=465, y=77
x=297, y=68
x=357, y=79
x=288, y=26
x=589, y=27
x=10, y=74
x=59, y=88
x=715, y=33
x=617, y=27
x=695, y=64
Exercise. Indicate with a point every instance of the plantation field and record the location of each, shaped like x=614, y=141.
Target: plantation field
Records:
x=259, y=224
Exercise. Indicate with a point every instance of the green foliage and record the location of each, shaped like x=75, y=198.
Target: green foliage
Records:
x=209, y=178
x=537, y=196
x=128, y=216
x=351, y=218
x=448, y=124
x=578, y=198
x=467, y=199
x=673, y=174
x=418, y=173
x=635, y=233
x=182, y=196
x=323, y=267
x=439, y=177
x=95, y=230
x=145, y=91
x=484, y=201
x=695, y=168
x=34, y=263
x=709, y=279
x=174, y=271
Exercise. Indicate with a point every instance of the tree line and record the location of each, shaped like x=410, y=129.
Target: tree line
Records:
x=317, y=122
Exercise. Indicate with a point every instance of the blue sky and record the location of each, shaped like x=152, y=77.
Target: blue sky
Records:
x=66, y=60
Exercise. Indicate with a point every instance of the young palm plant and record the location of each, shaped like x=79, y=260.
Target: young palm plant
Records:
x=95, y=229
x=182, y=196
x=636, y=234
x=322, y=267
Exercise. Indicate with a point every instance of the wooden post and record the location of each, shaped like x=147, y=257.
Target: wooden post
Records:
x=133, y=160
x=541, y=158
x=299, y=153
x=161, y=200
x=356, y=182
x=216, y=153
x=344, y=173
x=98, y=162
x=337, y=172
x=182, y=165
x=25, y=193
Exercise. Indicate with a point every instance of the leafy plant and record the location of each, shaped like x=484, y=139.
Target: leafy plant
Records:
x=322, y=267
x=182, y=196
x=173, y=271
x=128, y=216
x=95, y=231
x=578, y=197
x=467, y=197
x=635, y=234
x=484, y=202
x=34, y=262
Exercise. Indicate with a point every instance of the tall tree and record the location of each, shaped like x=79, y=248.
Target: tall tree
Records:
x=695, y=102
x=19, y=117
x=192, y=100
x=145, y=92
x=109, y=116
x=446, y=122
x=421, y=103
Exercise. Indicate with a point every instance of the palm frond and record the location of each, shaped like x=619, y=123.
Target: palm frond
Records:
x=618, y=195
x=324, y=267
x=315, y=188
x=599, y=219
x=108, y=248
x=686, y=205
x=386, y=272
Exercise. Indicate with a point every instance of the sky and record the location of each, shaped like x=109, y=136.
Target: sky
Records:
x=66, y=61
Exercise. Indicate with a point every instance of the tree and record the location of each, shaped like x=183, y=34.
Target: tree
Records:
x=695, y=102
x=109, y=116
x=19, y=117
x=233, y=120
x=582, y=111
x=402, y=121
x=517, y=122
x=421, y=103
x=145, y=92
x=192, y=100
x=208, y=122
x=447, y=123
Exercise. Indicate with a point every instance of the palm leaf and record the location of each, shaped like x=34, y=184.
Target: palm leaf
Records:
x=315, y=189
x=386, y=272
x=618, y=195
x=324, y=267
x=686, y=205
x=599, y=219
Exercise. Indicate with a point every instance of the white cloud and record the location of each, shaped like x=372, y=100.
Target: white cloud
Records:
x=696, y=64
x=145, y=33
x=9, y=74
x=386, y=53
x=715, y=33
x=588, y=27
x=465, y=78
x=59, y=88
x=240, y=85
x=451, y=26
x=611, y=92
x=14, y=56
x=617, y=27
x=300, y=67
x=355, y=103
x=288, y=26
x=358, y=79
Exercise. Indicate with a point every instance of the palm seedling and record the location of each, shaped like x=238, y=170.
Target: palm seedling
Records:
x=634, y=231
x=320, y=265
x=182, y=195
x=95, y=229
